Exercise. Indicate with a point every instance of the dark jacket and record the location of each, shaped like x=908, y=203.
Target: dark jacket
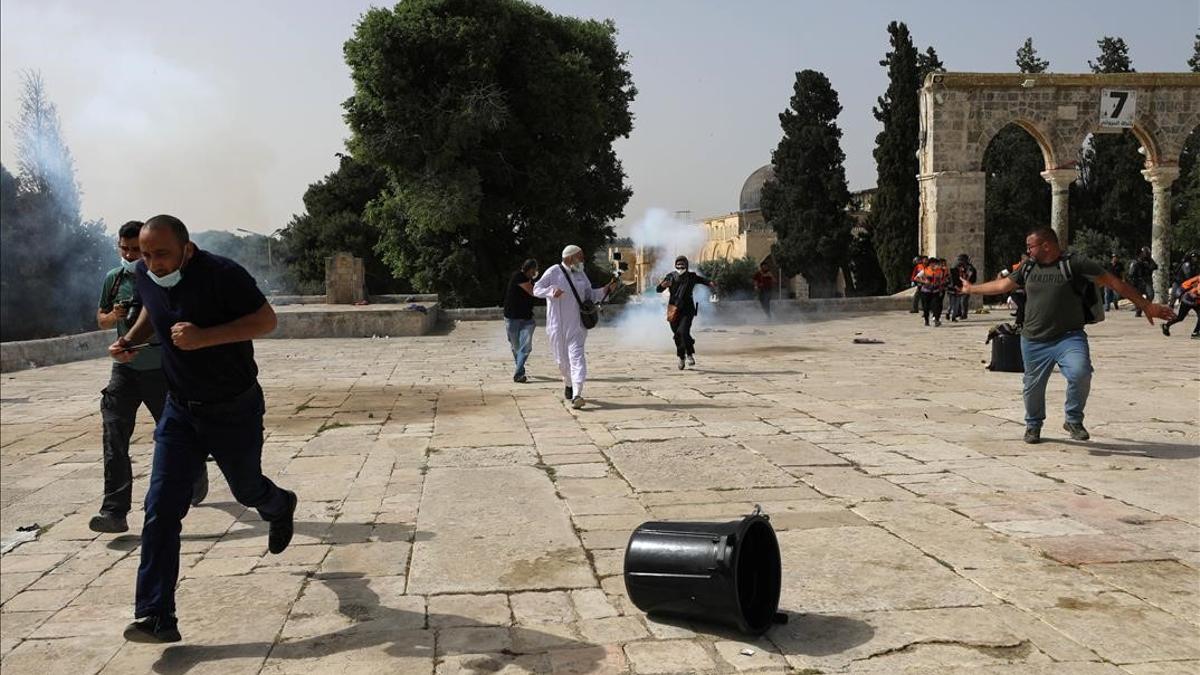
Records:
x=680, y=287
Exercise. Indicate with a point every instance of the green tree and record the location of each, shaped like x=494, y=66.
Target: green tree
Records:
x=1112, y=196
x=894, y=217
x=1194, y=62
x=334, y=220
x=734, y=278
x=494, y=122
x=52, y=263
x=1017, y=198
x=805, y=203
x=1028, y=60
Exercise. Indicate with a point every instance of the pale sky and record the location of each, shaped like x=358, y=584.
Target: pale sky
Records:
x=223, y=112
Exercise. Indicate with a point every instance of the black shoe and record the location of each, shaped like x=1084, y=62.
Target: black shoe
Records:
x=1033, y=435
x=520, y=379
x=281, y=530
x=200, y=489
x=1196, y=336
x=1077, y=431
x=1166, y=330
x=153, y=629
x=681, y=364
x=568, y=393
x=937, y=323
x=108, y=523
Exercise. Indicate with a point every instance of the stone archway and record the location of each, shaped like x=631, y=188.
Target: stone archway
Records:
x=961, y=112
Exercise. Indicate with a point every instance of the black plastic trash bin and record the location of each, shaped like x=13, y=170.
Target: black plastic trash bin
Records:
x=726, y=573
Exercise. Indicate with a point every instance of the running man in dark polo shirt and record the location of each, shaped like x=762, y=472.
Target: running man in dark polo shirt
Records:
x=131, y=385
x=1053, y=330
x=207, y=310
x=518, y=316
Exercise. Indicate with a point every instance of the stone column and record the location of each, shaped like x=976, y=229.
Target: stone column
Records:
x=1161, y=178
x=1060, y=197
x=952, y=214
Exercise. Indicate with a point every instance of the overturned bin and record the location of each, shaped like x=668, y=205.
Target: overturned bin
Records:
x=725, y=573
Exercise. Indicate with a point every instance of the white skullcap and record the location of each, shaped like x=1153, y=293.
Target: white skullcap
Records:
x=570, y=251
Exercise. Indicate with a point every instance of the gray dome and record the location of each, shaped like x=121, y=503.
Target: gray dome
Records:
x=751, y=197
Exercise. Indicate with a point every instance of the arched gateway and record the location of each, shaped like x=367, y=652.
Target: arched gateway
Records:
x=961, y=112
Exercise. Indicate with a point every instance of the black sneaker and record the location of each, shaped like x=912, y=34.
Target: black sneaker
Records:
x=1196, y=336
x=281, y=530
x=568, y=394
x=682, y=364
x=1166, y=330
x=153, y=629
x=1033, y=435
x=520, y=379
x=108, y=523
x=1077, y=431
x=200, y=489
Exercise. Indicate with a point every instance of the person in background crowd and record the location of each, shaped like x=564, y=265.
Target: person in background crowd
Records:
x=139, y=382
x=1141, y=275
x=1188, y=300
x=918, y=265
x=959, y=301
x=764, y=284
x=1017, y=294
x=933, y=279
x=518, y=316
x=1116, y=268
x=680, y=284
x=1186, y=269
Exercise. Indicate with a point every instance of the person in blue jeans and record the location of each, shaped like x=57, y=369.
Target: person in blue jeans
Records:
x=1053, y=331
x=518, y=316
x=206, y=309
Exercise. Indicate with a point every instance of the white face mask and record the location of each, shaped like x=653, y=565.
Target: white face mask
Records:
x=680, y=270
x=128, y=265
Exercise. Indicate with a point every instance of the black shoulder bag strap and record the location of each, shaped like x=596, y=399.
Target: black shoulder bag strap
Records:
x=115, y=288
x=567, y=274
x=588, y=317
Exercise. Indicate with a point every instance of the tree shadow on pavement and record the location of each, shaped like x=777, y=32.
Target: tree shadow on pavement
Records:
x=401, y=633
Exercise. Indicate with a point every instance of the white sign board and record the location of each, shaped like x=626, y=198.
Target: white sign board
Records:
x=1117, y=107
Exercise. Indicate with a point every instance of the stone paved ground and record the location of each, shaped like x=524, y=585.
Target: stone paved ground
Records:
x=453, y=521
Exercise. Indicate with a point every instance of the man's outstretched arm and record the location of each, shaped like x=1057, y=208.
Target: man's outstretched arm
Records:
x=998, y=287
x=1151, y=310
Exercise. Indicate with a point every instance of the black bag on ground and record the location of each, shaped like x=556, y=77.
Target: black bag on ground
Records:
x=727, y=573
x=1006, y=349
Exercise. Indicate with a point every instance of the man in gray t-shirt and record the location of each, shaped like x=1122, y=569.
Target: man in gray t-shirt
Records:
x=1053, y=331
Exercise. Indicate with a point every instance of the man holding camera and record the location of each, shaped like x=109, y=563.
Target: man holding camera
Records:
x=141, y=381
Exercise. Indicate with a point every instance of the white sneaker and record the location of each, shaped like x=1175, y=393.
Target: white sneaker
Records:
x=681, y=364
x=691, y=360
x=577, y=403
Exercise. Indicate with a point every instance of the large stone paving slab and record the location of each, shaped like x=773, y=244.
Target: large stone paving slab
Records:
x=694, y=464
x=498, y=528
x=452, y=520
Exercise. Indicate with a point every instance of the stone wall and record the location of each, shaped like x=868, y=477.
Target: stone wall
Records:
x=345, y=281
x=50, y=351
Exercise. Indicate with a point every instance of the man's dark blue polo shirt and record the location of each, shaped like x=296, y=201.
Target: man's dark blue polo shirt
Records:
x=213, y=291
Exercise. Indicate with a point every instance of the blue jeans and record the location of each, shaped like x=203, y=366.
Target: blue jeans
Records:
x=520, y=338
x=233, y=433
x=1070, y=353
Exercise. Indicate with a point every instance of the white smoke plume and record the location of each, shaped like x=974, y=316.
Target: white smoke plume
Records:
x=664, y=236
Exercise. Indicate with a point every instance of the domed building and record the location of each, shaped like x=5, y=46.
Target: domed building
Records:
x=743, y=232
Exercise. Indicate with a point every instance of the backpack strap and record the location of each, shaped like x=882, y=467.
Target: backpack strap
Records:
x=111, y=297
x=574, y=292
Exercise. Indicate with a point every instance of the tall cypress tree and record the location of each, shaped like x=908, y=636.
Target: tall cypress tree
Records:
x=806, y=201
x=895, y=212
x=1113, y=197
x=1017, y=197
x=1185, y=207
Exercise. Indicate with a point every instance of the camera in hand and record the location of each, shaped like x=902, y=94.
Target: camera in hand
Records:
x=132, y=308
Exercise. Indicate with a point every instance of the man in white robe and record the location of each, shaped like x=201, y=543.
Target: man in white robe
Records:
x=564, y=327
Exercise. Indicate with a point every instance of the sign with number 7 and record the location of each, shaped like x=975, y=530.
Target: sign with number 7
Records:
x=1117, y=108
